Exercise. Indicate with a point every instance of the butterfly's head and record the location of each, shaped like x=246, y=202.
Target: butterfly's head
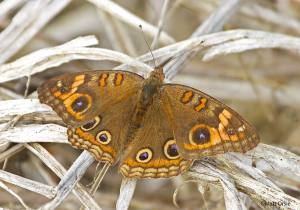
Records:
x=158, y=74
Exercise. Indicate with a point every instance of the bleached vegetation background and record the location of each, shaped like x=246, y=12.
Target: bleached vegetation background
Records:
x=245, y=53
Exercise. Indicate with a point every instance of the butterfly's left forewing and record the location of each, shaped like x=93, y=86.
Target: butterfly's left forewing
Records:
x=204, y=126
x=79, y=97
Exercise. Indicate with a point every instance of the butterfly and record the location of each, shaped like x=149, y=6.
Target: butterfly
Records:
x=153, y=129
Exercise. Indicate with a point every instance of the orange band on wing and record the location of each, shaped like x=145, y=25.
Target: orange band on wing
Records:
x=154, y=163
x=78, y=80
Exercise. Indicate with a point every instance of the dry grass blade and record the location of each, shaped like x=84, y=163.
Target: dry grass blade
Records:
x=60, y=171
x=252, y=181
x=216, y=21
x=212, y=174
x=256, y=42
x=287, y=95
x=110, y=31
x=268, y=15
x=281, y=160
x=226, y=42
x=11, y=151
x=73, y=50
x=6, y=188
x=40, y=188
x=125, y=16
x=240, y=160
x=98, y=179
x=160, y=24
x=27, y=23
x=70, y=179
x=25, y=65
x=35, y=133
x=126, y=193
x=8, y=94
x=6, y=6
x=221, y=43
x=239, y=43
x=213, y=23
x=10, y=108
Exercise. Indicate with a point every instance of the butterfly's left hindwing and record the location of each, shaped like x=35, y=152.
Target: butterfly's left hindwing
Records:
x=105, y=135
x=204, y=126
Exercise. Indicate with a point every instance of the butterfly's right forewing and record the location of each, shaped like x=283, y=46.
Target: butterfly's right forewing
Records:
x=204, y=126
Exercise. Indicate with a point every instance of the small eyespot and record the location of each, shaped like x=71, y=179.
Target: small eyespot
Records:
x=104, y=137
x=144, y=155
x=80, y=104
x=199, y=134
x=170, y=150
x=91, y=124
x=63, y=89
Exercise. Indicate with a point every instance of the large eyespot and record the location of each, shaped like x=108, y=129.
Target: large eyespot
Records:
x=91, y=124
x=104, y=137
x=80, y=104
x=199, y=134
x=144, y=155
x=170, y=149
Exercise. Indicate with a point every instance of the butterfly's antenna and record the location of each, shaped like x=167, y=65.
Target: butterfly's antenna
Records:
x=148, y=46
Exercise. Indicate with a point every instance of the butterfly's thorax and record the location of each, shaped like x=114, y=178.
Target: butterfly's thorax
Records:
x=150, y=89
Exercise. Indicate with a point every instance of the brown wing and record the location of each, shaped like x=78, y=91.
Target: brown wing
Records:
x=152, y=153
x=105, y=135
x=78, y=97
x=204, y=126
